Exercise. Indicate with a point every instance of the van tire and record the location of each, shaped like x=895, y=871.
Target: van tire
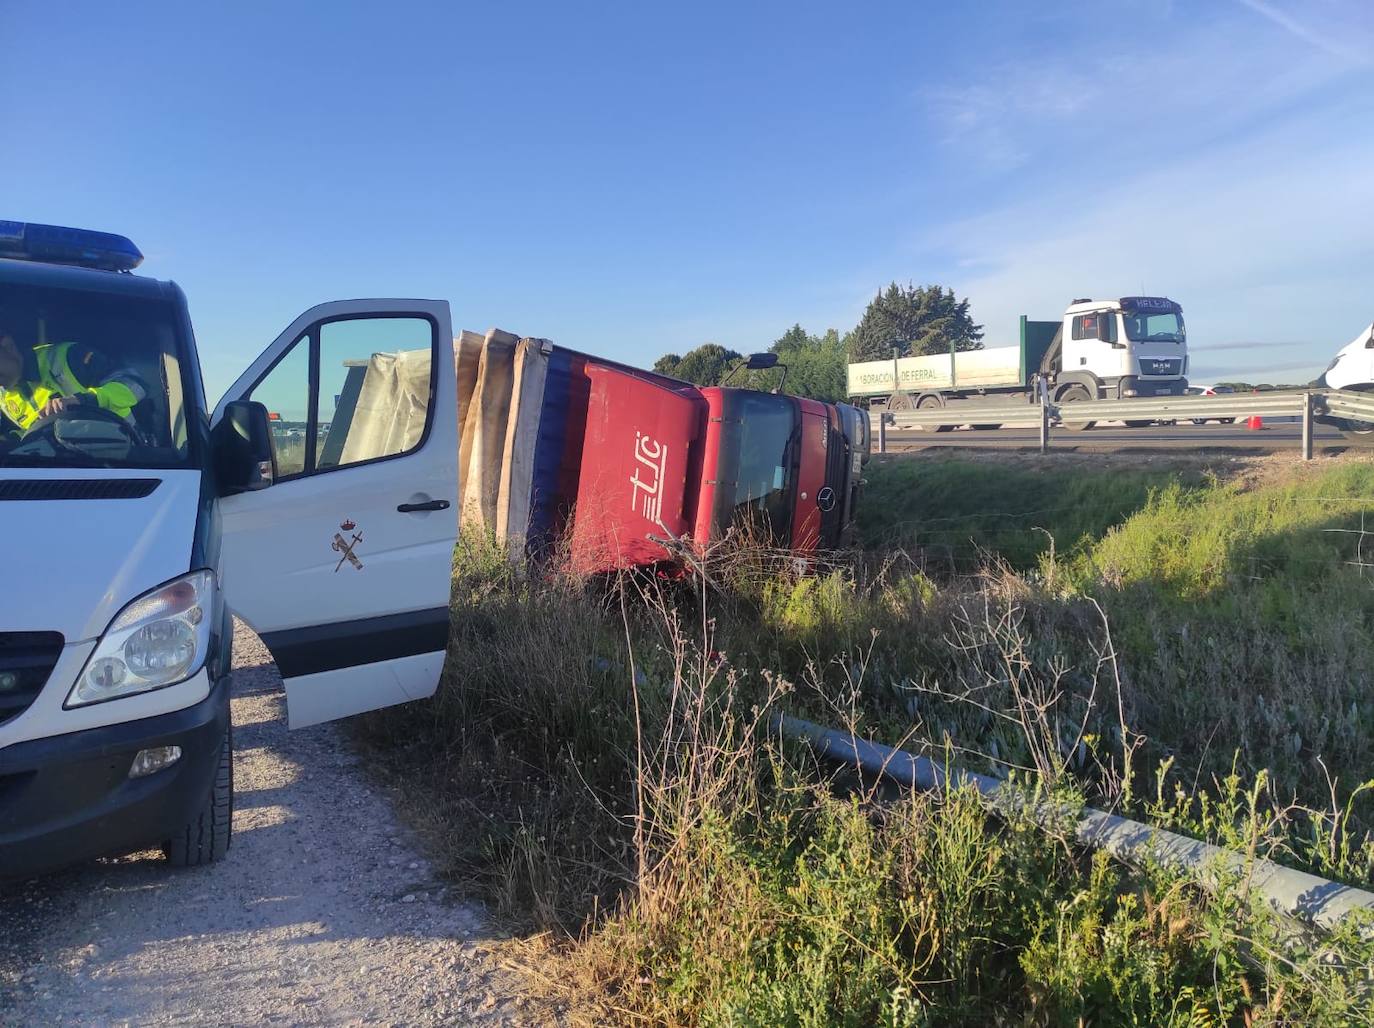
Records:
x=205, y=838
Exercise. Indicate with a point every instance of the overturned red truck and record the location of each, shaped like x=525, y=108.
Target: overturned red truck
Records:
x=620, y=465
x=559, y=445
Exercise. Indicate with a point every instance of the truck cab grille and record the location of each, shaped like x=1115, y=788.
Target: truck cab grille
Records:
x=26, y=660
x=1161, y=365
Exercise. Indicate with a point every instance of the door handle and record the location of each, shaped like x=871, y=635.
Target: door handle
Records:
x=411, y=508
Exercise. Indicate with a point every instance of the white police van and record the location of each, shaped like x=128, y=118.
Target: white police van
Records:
x=130, y=540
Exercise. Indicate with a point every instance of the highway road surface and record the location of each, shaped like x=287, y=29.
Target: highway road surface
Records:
x=1273, y=438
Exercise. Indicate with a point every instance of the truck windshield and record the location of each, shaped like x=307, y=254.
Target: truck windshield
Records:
x=90, y=379
x=756, y=442
x=1154, y=328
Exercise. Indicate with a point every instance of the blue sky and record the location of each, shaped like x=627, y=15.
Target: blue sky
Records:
x=636, y=178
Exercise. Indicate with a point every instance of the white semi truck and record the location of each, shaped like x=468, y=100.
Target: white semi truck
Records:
x=1100, y=349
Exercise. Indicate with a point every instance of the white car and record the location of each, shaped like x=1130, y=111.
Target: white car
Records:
x=1211, y=391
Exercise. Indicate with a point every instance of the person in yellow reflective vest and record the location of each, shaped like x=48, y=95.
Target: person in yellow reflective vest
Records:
x=57, y=377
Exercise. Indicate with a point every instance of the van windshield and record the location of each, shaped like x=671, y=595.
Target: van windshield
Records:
x=90, y=379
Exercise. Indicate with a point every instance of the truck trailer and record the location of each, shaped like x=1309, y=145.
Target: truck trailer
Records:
x=135, y=533
x=1100, y=349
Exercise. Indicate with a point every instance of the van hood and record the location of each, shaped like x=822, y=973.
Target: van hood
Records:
x=71, y=564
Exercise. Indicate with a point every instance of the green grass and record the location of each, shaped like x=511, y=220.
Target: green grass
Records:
x=957, y=513
x=1196, y=650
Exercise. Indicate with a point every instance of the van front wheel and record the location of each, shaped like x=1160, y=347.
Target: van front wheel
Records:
x=205, y=838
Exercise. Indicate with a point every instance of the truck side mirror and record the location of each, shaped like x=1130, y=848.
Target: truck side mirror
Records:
x=242, y=448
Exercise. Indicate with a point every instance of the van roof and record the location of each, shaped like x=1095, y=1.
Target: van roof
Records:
x=66, y=276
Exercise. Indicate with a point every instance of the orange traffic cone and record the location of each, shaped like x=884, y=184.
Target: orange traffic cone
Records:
x=1254, y=423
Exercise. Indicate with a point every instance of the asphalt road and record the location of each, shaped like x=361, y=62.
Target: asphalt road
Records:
x=1273, y=438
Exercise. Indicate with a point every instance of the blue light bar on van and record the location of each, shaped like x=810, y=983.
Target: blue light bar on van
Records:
x=53, y=244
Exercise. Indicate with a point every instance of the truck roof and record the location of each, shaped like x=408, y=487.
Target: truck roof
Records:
x=66, y=276
x=1157, y=303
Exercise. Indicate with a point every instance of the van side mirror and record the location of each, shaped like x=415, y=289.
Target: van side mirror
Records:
x=242, y=448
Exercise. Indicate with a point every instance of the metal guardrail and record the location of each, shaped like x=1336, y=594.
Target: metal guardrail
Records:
x=1339, y=404
x=1303, y=897
x=1346, y=404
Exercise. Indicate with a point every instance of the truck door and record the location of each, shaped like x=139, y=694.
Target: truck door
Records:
x=343, y=564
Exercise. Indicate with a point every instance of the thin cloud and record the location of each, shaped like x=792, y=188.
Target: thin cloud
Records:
x=1291, y=25
x=1270, y=344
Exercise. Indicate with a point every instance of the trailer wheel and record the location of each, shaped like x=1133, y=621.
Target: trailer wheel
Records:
x=1075, y=393
x=205, y=838
x=933, y=403
x=1139, y=424
x=899, y=401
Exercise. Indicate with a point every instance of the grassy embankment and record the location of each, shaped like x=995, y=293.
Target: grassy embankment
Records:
x=1193, y=648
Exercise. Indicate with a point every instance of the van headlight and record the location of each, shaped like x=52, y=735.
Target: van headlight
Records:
x=1334, y=361
x=158, y=640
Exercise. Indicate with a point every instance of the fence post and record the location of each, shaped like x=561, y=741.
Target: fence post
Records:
x=1306, y=426
x=882, y=432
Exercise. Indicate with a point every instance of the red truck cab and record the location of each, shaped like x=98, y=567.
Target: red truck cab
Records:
x=664, y=460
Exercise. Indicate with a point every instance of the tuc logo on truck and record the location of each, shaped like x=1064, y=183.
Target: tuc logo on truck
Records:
x=654, y=456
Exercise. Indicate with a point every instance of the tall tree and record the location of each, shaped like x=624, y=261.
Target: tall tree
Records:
x=706, y=365
x=914, y=320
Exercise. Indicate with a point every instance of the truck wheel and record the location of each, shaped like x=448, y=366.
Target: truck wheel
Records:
x=1075, y=394
x=932, y=403
x=899, y=401
x=985, y=428
x=1139, y=424
x=205, y=838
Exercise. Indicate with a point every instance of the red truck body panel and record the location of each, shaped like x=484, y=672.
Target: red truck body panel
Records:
x=640, y=470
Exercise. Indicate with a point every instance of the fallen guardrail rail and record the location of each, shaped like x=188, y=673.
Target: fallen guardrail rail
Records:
x=1352, y=412
x=1299, y=896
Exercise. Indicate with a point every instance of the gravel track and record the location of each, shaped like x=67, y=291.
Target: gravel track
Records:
x=324, y=912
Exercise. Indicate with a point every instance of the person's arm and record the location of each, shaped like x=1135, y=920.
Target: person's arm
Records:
x=116, y=389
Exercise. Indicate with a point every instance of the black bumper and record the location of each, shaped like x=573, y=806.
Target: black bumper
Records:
x=69, y=798
x=1147, y=387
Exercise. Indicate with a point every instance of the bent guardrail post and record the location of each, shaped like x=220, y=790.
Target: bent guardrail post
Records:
x=1298, y=895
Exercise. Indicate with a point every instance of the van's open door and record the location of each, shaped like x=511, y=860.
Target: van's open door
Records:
x=343, y=564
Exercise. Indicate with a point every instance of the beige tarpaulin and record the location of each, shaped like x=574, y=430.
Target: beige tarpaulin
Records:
x=482, y=437
x=501, y=381
x=390, y=413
